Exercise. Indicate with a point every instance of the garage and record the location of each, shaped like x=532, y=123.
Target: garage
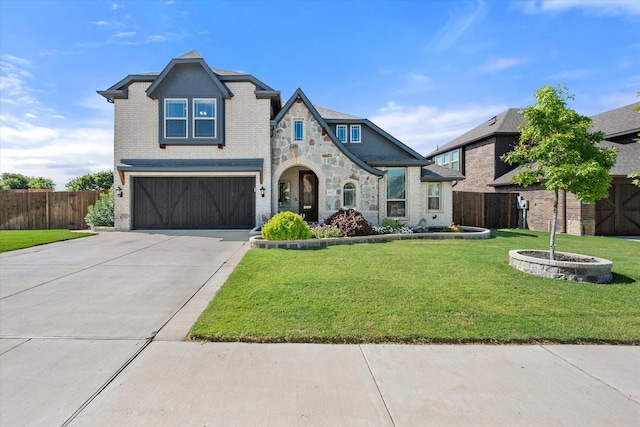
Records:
x=619, y=214
x=193, y=202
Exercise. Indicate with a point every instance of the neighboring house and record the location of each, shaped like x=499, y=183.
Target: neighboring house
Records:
x=476, y=155
x=196, y=147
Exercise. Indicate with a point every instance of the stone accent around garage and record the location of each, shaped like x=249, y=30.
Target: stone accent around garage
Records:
x=598, y=270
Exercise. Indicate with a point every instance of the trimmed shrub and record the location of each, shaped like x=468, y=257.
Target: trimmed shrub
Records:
x=100, y=214
x=350, y=222
x=325, y=232
x=286, y=226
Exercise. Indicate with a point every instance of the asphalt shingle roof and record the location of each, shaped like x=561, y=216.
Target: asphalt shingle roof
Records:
x=504, y=123
x=327, y=114
x=434, y=172
x=616, y=122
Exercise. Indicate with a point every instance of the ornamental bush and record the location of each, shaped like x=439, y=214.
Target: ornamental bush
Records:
x=100, y=214
x=350, y=222
x=325, y=232
x=286, y=226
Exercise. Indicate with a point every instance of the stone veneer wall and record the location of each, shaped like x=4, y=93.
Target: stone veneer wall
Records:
x=247, y=135
x=332, y=167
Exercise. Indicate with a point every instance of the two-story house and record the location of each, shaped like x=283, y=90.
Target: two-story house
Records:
x=476, y=154
x=197, y=147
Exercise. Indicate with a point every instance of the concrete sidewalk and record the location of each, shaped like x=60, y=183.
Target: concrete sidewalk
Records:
x=186, y=383
x=113, y=371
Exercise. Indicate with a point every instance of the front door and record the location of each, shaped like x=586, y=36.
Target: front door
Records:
x=309, y=196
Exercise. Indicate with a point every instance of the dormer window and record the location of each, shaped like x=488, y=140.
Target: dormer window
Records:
x=356, y=134
x=204, y=118
x=175, y=118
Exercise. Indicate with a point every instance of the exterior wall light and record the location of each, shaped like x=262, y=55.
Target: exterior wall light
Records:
x=262, y=190
x=119, y=191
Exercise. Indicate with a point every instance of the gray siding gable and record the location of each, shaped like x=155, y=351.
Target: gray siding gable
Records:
x=153, y=90
x=378, y=148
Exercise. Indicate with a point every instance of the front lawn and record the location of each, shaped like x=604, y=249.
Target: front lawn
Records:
x=444, y=291
x=11, y=240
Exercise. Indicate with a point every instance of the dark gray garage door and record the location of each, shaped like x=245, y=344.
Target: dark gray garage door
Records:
x=192, y=203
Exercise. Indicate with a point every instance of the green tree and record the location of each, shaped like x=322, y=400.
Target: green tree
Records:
x=557, y=150
x=97, y=181
x=14, y=181
x=41, y=182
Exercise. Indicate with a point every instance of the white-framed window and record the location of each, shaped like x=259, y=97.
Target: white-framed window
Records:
x=298, y=130
x=175, y=118
x=204, y=118
x=356, y=134
x=449, y=159
x=349, y=195
x=396, y=192
x=341, y=133
x=433, y=196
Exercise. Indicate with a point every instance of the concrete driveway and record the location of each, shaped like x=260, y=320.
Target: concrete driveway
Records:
x=74, y=313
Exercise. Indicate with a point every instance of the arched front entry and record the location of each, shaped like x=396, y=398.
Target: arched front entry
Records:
x=308, y=195
x=299, y=191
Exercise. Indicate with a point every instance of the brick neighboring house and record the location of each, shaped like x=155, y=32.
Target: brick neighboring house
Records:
x=476, y=154
x=196, y=147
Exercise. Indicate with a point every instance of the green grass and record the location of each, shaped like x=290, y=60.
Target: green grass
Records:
x=11, y=240
x=422, y=291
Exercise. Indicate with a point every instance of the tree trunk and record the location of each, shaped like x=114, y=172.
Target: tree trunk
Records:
x=552, y=237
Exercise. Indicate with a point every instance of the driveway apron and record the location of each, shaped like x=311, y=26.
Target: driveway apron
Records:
x=74, y=313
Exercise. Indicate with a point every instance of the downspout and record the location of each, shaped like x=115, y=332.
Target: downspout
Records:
x=564, y=211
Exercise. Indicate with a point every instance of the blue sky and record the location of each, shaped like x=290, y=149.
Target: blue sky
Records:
x=425, y=71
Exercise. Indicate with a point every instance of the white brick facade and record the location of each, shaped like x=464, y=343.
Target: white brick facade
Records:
x=247, y=135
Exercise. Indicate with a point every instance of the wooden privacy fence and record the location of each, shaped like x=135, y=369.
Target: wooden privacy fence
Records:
x=34, y=210
x=489, y=210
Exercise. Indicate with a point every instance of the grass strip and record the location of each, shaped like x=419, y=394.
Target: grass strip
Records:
x=11, y=240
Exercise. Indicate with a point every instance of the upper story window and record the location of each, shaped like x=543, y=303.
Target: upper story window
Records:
x=349, y=195
x=356, y=132
x=433, y=196
x=341, y=133
x=396, y=192
x=298, y=130
x=204, y=118
x=450, y=159
x=175, y=118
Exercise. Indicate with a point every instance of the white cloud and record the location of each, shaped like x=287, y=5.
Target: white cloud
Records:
x=457, y=24
x=498, y=64
x=573, y=74
x=57, y=153
x=594, y=7
x=124, y=34
x=100, y=23
x=425, y=127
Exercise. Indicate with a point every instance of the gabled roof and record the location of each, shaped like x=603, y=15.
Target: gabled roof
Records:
x=120, y=89
x=191, y=57
x=504, y=123
x=627, y=161
x=298, y=94
x=620, y=121
x=330, y=115
x=437, y=173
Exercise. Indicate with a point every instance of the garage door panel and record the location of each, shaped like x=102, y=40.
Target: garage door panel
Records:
x=192, y=203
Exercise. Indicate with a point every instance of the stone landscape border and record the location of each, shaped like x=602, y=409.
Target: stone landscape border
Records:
x=468, y=233
x=598, y=270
